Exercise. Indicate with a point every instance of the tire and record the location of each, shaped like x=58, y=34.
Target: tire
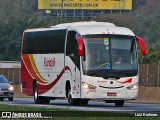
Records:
x=37, y=99
x=10, y=99
x=1, y=99
x=71, y=100
x=119, y=103
x=46, y=101
x=84, y=102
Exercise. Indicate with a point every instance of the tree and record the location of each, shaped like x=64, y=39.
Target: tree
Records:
x=153, y=56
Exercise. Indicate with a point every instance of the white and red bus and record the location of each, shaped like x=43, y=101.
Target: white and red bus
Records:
x=81, y=61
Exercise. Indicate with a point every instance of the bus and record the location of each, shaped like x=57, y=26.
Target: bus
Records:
x=81, y=61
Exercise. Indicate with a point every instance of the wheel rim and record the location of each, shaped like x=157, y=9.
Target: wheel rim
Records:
x=69, y=97
x=35, y=93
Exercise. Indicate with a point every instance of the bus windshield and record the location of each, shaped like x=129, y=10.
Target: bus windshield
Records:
x=110, y=56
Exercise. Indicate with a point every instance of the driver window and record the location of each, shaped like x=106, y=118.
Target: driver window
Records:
x=72, y=47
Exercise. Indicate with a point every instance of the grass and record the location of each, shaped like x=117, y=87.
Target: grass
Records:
x=25, y=108
x=66, y=114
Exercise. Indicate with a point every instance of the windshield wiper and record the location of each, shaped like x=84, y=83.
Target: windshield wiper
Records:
x=110, y=72
x=122, y=72
x=96, y=72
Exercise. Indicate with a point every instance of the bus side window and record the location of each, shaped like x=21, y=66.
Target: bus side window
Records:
x=71, y=48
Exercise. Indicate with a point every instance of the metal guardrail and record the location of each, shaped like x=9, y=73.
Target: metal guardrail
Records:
x=149, y=75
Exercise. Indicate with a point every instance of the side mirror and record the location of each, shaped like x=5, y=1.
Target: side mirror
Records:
x=141, y=45
x=80, y=46
x=71, y=55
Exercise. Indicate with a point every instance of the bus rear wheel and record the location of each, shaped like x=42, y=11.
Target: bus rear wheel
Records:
x=46, y=101
x=119, y=103
x=37, y=99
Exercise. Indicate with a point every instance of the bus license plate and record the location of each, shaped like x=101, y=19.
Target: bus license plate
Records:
x=111, y=94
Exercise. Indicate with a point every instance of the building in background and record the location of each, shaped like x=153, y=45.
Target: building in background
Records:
x=11, y=70
x=10, y=64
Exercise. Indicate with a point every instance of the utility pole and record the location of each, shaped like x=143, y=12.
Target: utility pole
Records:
x=61, y=10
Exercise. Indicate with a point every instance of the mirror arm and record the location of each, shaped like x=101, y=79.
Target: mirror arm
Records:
x=141, y=45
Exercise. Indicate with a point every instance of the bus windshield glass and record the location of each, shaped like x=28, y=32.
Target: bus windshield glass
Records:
x=110, y=56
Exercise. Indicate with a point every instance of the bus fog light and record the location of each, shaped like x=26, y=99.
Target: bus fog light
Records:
x=132, y=87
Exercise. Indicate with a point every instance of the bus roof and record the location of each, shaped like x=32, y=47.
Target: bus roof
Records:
x=74, y=24
x=35, y=29
x=93, y=27
x=40, y=29
x=99, y=29
x=86, y=28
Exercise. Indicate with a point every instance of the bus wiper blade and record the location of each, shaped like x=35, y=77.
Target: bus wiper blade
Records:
x=114, y=72
x=96, y=72
x=121, y=72
x=110, y=72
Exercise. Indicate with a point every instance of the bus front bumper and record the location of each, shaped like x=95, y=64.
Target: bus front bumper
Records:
x=109, y=94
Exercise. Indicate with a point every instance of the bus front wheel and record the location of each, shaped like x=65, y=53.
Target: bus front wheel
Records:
x=71, y=100
x=119, y=103
x=84, y=102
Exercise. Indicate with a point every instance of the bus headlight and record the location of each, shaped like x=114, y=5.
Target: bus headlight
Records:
x=87, y=86
x=132, y=87
x=11, y=88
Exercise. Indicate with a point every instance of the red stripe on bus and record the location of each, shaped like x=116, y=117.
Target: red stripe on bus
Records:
x=30, y=68
x=126, y=81
x=49, y=86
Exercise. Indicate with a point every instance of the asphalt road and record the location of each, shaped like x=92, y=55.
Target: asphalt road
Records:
x=92, y=106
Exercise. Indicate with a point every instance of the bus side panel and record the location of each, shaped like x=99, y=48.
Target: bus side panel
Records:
x=26, y=79
x=30, y=72
x=45, y=69
x=75, y=77
x=58, y=73
x=50, y=68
